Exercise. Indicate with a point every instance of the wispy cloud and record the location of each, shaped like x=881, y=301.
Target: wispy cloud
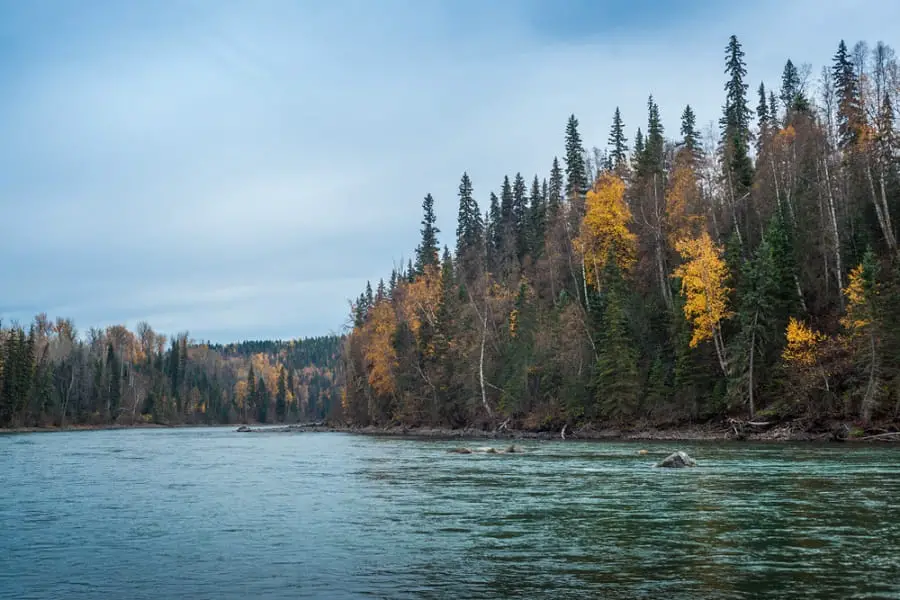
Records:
x=239, y=169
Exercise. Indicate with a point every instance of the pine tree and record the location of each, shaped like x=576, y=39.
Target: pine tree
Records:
x=792, y=97
x=380, y=291
x=555, y=189
x=494, y=235
x=469, y=229
x=262, y=397
x=616, y=380
x=370, y=297
x=536, y=219
x=520, y=215
x=427, y=252
x=281, y=397
x=652, y=157
x=251, y=400
x=689, y=135
x=736, y=120
x=850, y=116
x=764, y=119
x=638, y=153
x=618, y=154
x=576, y=180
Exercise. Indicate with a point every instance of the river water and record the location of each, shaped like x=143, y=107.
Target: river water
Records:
x=209, y=513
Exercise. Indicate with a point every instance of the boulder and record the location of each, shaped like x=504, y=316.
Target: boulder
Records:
x=460, y=451
x=676, y=460
x=243, y=429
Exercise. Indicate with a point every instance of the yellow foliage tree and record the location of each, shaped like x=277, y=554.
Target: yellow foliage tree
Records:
x=703, y=275
x=420, y=299
x=378, y=349
x=682, y=198
x=604, y=229
x=802, y=343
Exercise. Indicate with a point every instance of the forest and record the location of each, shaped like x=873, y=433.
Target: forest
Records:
x=747, y=270
x=52, y=376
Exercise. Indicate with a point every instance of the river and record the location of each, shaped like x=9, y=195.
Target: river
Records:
x=209, y=513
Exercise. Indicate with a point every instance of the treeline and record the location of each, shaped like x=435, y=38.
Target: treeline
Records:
x=49, y=375
x=750, y=271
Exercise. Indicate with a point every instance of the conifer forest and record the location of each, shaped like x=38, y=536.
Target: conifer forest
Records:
x=748, y=270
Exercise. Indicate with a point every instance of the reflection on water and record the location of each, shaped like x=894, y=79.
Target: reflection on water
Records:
x=207, y=513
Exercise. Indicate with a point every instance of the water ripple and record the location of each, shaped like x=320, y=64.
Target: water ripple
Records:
x=206, y=513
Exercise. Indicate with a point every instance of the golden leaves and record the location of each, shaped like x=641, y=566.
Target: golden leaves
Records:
x=857, y=316
x=681, y=198
x=703, y=276
x=420, y=299
x=604, y=229
x=802, y=342
x=379, y=351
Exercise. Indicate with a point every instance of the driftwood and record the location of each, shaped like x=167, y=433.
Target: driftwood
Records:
x=562, y=433
x=893, y=436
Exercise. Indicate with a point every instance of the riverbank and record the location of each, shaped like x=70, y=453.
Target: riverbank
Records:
x=786, y=432
x=734, y=431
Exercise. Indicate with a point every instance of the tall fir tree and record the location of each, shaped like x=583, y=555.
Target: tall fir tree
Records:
x=555, y=189
x=427, y=252
x=618, y=145
x=735, y=121
x=689, y=135
x=850, y=115
x=469, y=229
x=576, y=178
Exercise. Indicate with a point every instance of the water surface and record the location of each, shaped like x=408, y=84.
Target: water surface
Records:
x=208, y=513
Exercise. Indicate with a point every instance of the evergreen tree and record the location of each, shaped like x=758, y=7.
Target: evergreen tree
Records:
x=576, y=180
x=792, y=96
x=520, y=215
x=736, y=120
x=850, y=116
x=652, y=157
x=251, y=401
x=764, y=119
x=616, y=380
x=469, y=229
x=618, y=154
x=536, y=220
x=689, y=134
x=638, y=153
x=427, y=252
x=262, y=397
x=494, y=236
x=555, y=189
x=281, y=397
x=370, y=297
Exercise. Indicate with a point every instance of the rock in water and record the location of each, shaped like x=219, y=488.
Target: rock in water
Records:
x=460, y=451
x=243, y=429
x=676, y=460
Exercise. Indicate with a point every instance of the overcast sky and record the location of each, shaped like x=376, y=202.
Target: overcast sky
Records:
x=240, y=169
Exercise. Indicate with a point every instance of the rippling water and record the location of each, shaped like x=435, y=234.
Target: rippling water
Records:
x=208, y=513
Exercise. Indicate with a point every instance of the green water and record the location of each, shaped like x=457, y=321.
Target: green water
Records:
x=208, y=513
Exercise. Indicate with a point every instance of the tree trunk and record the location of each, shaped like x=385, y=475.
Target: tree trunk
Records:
x=834, y=232
x=484, y=401
x=752, y=355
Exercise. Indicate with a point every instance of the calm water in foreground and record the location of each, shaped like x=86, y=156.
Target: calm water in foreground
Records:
x=208, y=513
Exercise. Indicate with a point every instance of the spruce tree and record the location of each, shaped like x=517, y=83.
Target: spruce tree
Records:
x=850, y=116
x=618, y=153
x=520, y=215
x=576, y=180
x=689, y=135
x=262, y=397
x=469, y=228
x=427, y=252
x=616, y=379
x=281, y=397
x=638, y=153
x=652, y=157
x=536, y=219
x=736, y=120
x=555, y=189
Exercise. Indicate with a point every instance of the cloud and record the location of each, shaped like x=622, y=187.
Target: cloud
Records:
x=239, y=169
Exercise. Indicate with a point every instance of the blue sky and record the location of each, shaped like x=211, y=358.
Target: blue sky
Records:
x=240, y=169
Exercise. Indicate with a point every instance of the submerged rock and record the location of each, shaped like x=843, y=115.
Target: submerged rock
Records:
x=243, y=429
x=513, y=449
x=676, y=460
x=460, y=451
